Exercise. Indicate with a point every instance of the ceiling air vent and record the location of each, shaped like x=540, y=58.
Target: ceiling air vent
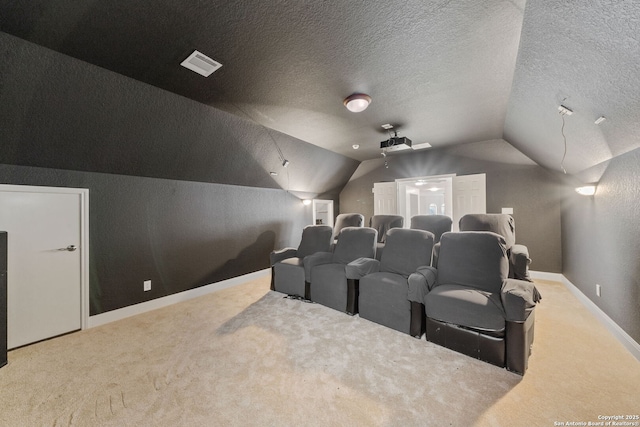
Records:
x=201, y=64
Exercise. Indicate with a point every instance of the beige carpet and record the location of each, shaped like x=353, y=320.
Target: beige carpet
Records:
x=246, y=356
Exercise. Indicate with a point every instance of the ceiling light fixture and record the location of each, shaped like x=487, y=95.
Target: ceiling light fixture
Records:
x=355, y=146
x=586, y=190
x=600, y=120
x=285, y=163
x=357, y=102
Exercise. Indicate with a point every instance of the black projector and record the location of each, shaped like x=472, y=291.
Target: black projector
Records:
x=396, y=141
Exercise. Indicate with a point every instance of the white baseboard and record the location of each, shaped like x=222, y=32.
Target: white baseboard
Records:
x=132, y=310
x=624, y=338
x=544, y=275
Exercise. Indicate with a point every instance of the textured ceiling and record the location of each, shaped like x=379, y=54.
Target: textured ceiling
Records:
x=448, y=72
x=586, y=56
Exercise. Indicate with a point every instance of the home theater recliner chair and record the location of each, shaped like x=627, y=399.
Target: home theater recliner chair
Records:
x=327, y=270
x=471, y=305
x=382, y=224
x=287, y=265
x=505, y=226
x=383, y=286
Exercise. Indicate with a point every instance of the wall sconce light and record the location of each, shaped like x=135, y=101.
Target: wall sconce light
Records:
x=306, y=202
x=586, y=190
x=357, y=102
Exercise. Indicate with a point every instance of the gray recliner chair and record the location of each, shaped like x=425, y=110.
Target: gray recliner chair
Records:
x=471, y=305
x=382, y=286
x=346, y=220
x=503, y=225
x=327, y=270
x=287, y=264
x=382, y=224
x=437, y=224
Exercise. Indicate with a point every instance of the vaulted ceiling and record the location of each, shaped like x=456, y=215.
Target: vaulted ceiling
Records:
x=445, y=72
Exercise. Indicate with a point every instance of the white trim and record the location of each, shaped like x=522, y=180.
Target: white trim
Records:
x=544, y=275
x=84, y=236
x=624, y=338
x=132, y=310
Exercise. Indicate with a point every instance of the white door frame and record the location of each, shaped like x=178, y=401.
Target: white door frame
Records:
x=84, y=236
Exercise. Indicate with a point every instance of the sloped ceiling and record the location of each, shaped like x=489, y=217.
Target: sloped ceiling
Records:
x=446, y=72
x=586, y=56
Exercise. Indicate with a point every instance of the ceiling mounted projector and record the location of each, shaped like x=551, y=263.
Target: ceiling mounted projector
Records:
x=396, y=143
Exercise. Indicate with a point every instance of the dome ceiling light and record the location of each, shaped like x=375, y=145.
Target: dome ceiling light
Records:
x=357, y=102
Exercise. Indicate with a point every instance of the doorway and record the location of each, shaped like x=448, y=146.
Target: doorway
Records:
x=48, y=248
x=426, y=195
x=323, y=212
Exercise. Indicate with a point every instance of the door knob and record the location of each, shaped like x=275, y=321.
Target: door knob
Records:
x=69, y=248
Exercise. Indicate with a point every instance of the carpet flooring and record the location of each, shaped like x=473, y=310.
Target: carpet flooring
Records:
x=246, y=356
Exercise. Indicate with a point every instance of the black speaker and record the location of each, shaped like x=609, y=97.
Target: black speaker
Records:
x=3, y=298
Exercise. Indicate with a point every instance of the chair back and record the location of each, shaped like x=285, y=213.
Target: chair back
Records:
x=347, y=220
x=477, y=259
x=384, y=223
x=354, y=243
x=406, y=250
x=502, y=224
x=437, y=224
x=315, y=238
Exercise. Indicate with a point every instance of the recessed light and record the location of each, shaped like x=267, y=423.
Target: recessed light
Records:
x=387, y=126
x=273, y=173
x=355, y=146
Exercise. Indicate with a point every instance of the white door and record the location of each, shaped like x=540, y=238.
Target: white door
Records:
x=45, y=261
x=384, y=198
x=469, y=196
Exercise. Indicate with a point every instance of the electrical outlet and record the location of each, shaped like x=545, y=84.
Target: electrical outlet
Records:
x=147, y=285
x=598, y=290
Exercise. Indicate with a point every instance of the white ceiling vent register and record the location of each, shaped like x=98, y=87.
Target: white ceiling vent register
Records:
x=201, y=64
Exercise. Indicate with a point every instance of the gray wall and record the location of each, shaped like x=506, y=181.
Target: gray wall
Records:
x=601, y=240
x=179, y=234
x=512, y=181
x=180, y=193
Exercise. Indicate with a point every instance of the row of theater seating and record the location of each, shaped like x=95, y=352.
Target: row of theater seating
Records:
x=501, y=224
x=468, y=303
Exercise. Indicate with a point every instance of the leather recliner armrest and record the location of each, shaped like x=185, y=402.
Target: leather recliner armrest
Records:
x=281, y=254
x=519, y=262
x=421, y=282
x=519, y=298
x=360, y=267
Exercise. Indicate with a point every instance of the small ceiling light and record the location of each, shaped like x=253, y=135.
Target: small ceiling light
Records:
x=434, y=189
x=357, y=102
x=355, y=146
x=600, y=120
x=586, y=190
x=285, y=163
x=306, y=202
x=273, y=173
